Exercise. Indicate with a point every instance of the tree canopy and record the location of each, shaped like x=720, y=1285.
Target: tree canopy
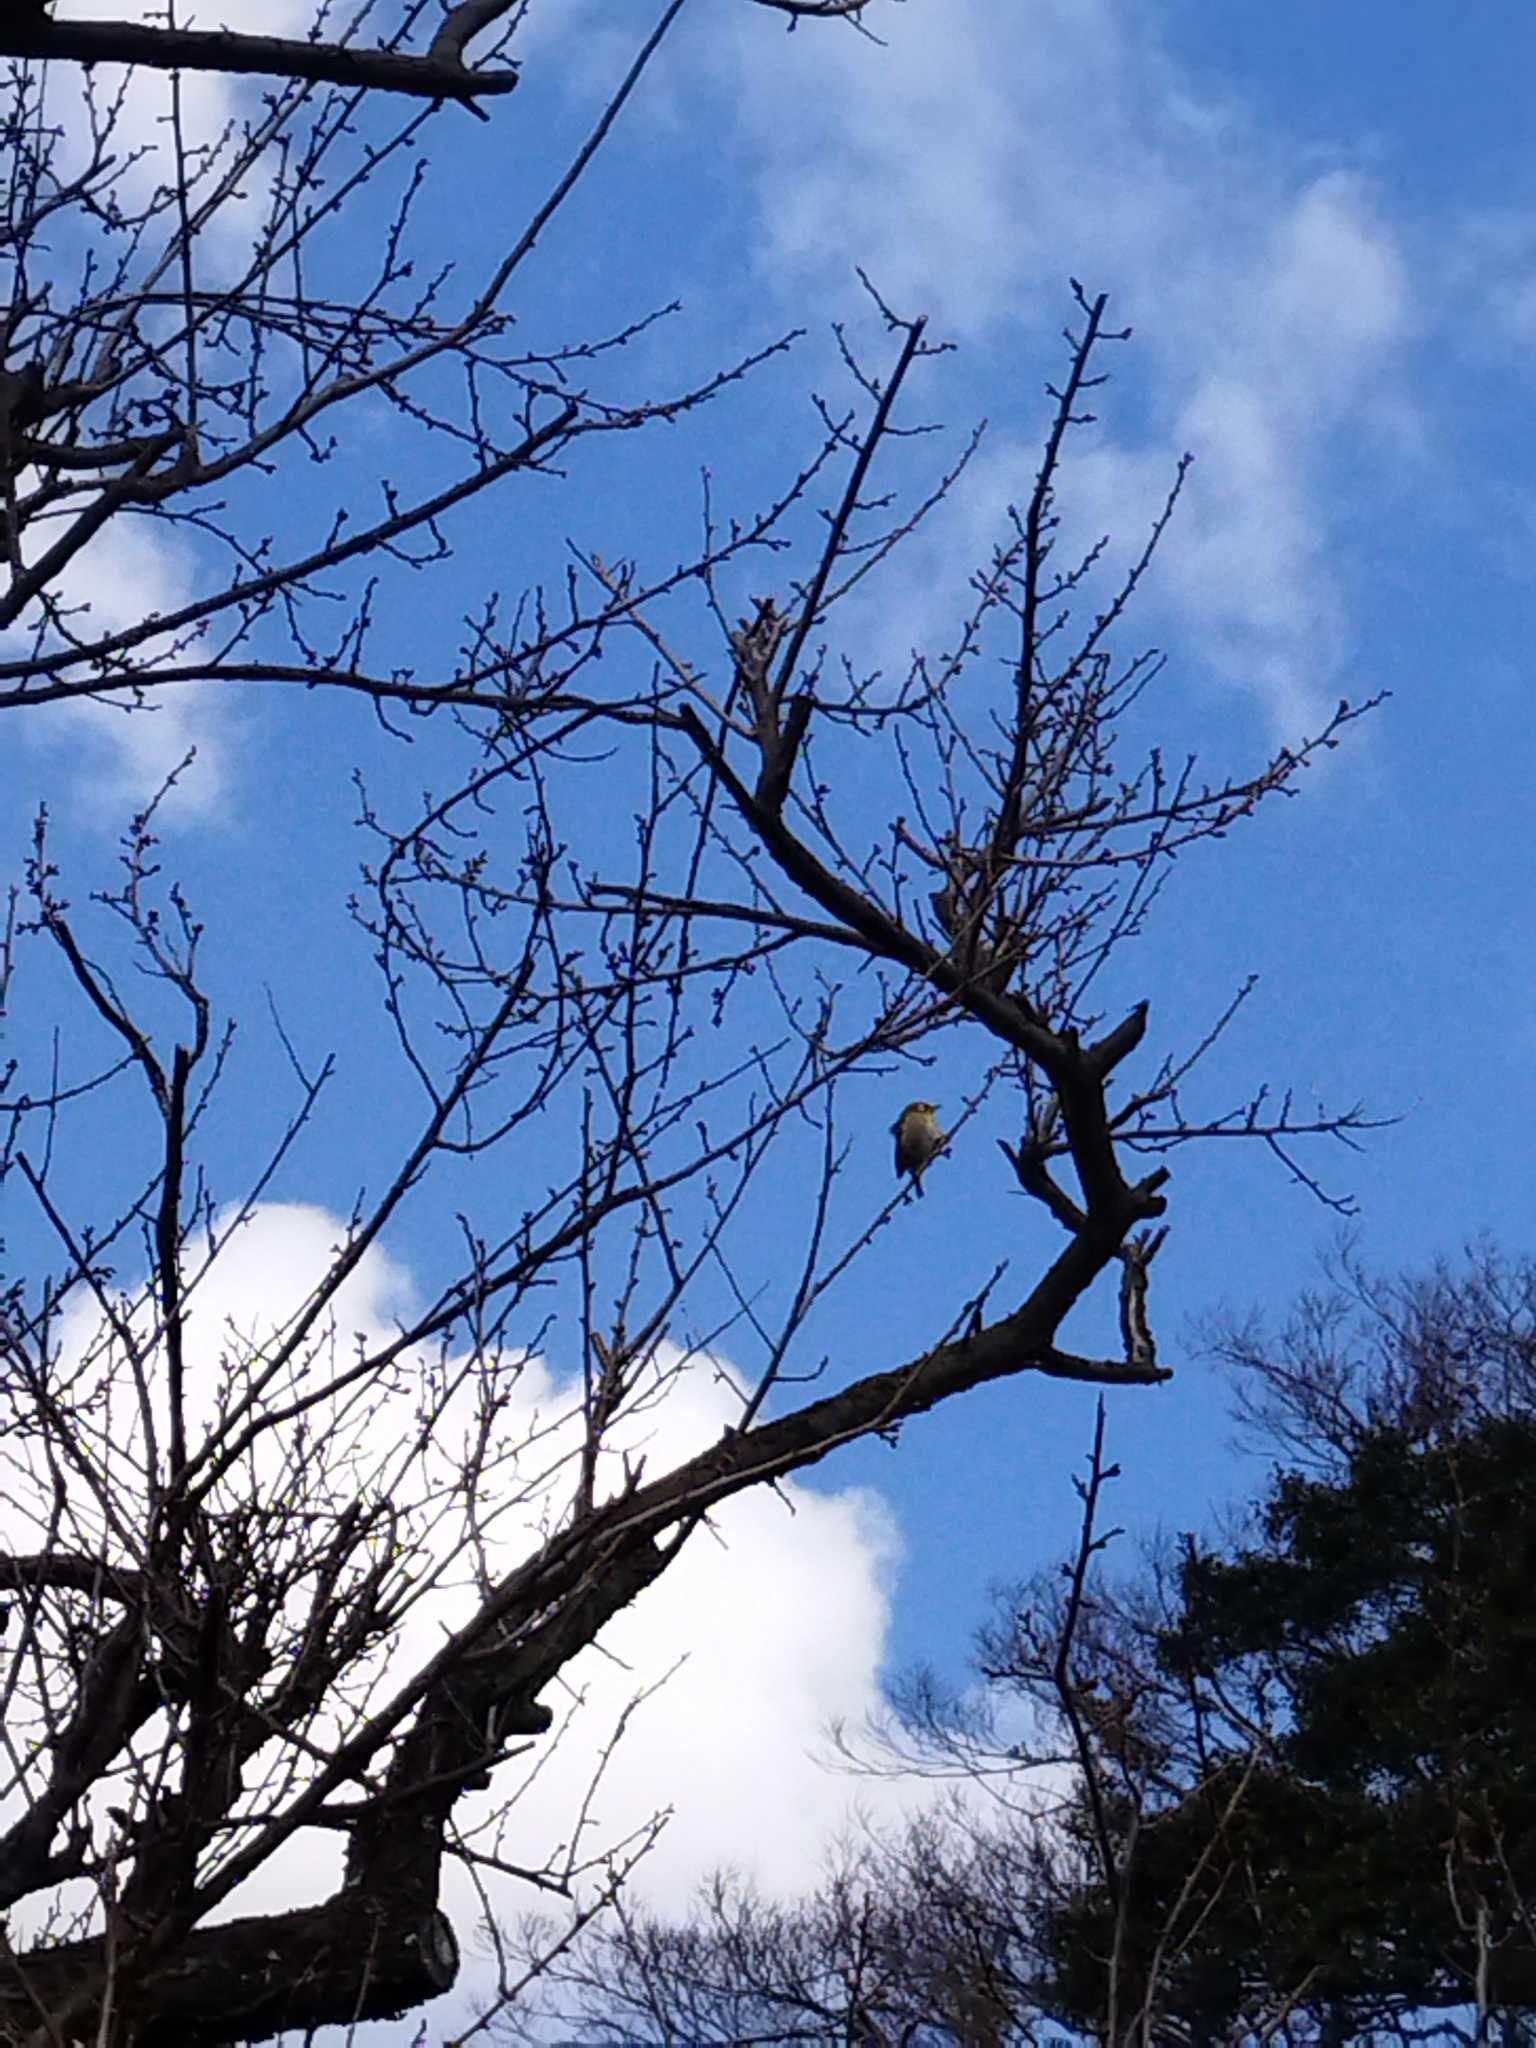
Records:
x=1373, y=1857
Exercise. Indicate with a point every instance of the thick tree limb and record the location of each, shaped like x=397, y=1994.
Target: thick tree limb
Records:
x=440, y=75
x=246, y=1980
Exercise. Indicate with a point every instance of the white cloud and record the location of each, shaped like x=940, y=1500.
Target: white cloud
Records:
x=771, y=1625
x=978, y=160
x=1335, y=285
x=123, y=575
x=779, y=1618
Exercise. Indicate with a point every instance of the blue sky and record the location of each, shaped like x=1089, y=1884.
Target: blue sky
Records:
x=1321, y=223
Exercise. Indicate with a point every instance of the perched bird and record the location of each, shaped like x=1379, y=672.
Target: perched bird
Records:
x=918, y=1137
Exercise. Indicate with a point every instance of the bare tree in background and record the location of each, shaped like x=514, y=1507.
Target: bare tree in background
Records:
x=1276, y=1787
x=1048, y=1780
x=225, y=1547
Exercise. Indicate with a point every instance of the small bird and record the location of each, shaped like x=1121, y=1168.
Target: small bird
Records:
x=918, y=1137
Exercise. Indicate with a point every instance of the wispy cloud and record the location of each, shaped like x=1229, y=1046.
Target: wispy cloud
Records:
x=987, y=153
x=125, y=574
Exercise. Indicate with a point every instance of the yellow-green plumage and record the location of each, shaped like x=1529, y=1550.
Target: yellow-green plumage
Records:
x=918, y=1137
